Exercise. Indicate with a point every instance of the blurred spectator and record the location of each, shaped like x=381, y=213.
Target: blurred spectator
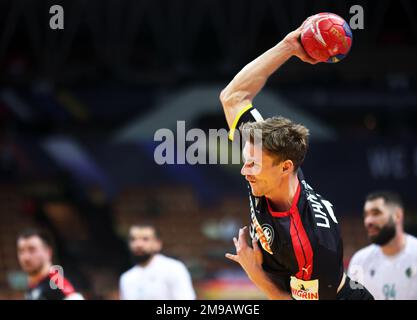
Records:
x=154, y=275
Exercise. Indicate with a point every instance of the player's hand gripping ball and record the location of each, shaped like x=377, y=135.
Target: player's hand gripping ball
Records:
x=326, y=37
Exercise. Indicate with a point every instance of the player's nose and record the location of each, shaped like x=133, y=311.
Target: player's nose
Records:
x=138, y=244
x=24, y=256
x=244, y=170
x=371, y=225
x=368, y=221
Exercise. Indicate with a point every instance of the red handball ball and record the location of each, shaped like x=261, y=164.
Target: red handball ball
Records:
x=326, y=37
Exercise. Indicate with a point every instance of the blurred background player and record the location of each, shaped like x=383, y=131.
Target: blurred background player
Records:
x=34, y=251
x=387, y=267
x=154, y=276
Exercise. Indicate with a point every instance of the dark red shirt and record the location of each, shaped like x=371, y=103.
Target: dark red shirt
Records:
x=46, y=290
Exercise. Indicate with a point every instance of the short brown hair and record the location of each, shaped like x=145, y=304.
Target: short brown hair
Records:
x=281, y=137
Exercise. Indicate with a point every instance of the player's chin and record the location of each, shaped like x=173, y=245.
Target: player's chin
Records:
x=373, y=236
x=257, y=192
x=30, y=270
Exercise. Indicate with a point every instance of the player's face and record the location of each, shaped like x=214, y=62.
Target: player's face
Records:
x=379, y=221
x=143, y=243
x=260, y=170
x=33, y=254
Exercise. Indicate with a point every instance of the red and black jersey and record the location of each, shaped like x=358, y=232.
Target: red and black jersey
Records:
x=50, y=288
x=302, y=248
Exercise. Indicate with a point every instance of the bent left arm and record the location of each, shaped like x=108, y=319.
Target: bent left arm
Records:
x=250, y=259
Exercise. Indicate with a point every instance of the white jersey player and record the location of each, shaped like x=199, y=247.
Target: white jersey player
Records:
x=387, y=267
x=155, y=276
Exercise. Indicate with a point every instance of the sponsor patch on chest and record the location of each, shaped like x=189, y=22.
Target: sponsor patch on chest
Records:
x=304, y=290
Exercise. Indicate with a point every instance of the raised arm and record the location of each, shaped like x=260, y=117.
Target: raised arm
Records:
x=240, y=92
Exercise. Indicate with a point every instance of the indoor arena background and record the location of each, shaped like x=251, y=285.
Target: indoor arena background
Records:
x=79, y=108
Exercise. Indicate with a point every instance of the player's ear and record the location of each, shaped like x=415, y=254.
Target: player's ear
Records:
x=287, y=166
x=49, y=252
x=399, y=215
x=158, y=245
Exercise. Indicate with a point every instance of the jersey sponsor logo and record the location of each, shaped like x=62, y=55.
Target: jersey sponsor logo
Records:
x=304, y=290
x=306, y=270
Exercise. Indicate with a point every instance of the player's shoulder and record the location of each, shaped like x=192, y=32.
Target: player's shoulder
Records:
x=169, y=261
x=307, y=189
x=128, y=274
x=412, y=244
x=312, y=197
x=174, y=267
x=364, y=253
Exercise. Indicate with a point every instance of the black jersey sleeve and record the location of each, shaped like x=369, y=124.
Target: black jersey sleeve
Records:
x=247, y=114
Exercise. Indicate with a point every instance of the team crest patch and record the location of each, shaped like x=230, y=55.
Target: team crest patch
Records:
x=264, y=233
x=411, y=271
x=269, y=233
